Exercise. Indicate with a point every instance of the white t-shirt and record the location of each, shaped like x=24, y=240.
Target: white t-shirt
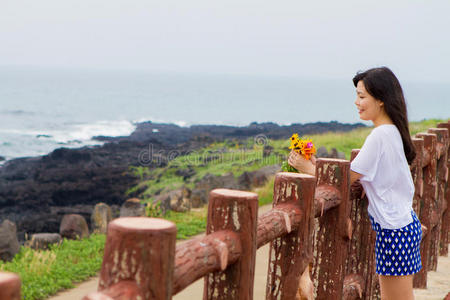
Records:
x=386, y=177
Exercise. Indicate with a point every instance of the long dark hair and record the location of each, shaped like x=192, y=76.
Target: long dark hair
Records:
x=382, y=84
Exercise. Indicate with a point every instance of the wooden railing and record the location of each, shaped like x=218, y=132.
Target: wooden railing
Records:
x=225, y=256
x=318, y=228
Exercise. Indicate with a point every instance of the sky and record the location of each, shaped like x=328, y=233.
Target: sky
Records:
x=313, y=39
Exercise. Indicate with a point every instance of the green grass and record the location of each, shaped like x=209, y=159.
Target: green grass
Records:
x=43, y=273
x=215, y=159
x=188, y=223
x=265, y=193
x=422, y=126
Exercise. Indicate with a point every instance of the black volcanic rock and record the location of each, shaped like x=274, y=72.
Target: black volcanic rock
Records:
x=9, y=245
x=36, y=192
x=42, y=241
x=30, y=188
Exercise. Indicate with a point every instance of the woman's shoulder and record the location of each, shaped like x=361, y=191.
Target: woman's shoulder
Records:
x=388, y=138
x=385, y=131
x=383, y=136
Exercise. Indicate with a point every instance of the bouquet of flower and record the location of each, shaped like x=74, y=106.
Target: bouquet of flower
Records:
x=305, y=148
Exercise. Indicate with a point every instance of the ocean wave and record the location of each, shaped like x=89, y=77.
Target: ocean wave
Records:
x=76, y=132
x=180, y=123
x=26, y=142
x=85, y=132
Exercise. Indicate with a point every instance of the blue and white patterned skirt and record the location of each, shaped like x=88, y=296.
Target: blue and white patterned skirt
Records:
x=397, y=251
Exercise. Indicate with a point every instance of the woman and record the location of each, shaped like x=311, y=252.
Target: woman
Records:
x=382, y=168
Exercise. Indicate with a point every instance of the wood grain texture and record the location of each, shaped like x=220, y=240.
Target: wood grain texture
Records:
x=291, y=253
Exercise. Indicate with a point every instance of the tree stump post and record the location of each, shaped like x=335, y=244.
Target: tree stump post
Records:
x=417, y=173
x=9, y=286
x=445, y=238
x=361, y=248
x=334, y=230
x=417, y=176
x=426, y=204
x=139, y=260
x=439, y=207
x=291, y=253
x=235, y=211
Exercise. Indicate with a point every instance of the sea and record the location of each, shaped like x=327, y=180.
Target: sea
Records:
x=42, y=109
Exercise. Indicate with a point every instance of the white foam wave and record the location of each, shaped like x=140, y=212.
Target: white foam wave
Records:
x=180, y=123
x=77, y=132
x=85, y=132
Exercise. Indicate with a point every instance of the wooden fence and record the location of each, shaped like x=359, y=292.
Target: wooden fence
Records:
x=318, y=230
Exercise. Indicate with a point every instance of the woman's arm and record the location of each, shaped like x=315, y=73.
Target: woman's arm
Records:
x=309, y=166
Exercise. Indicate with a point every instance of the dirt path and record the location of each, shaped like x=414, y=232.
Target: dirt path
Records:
x=438, y=282
x=78, y=292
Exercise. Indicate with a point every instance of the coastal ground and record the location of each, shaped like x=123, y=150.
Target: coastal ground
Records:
x=438, y=284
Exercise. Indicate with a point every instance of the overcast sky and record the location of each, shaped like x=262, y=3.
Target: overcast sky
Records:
x=330, y=39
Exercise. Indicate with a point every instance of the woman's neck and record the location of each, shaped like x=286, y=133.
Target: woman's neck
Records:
x=382, y=120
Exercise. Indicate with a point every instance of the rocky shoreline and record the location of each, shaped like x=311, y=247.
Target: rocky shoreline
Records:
x=35, y=192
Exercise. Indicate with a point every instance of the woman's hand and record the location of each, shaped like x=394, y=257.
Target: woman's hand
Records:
x=302, y=164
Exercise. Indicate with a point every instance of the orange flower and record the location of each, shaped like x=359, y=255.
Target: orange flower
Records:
x=309, y=149
x=303, y=147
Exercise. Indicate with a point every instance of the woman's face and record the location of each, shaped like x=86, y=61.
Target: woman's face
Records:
x=368, y=107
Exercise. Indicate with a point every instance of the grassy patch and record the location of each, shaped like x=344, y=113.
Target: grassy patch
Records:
x=422, y=126
x=216, y=159
x=43, y=273
x=188, y=223
x=265, y=193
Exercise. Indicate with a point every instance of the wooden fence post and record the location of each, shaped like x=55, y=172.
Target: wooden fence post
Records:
x=427, y=204
x=334, y=230
x=233, y=211
x=138, y=260
x=9, y=286
x=361, y=280
x=445, y=238
x=291, y=253
x=439, y=208
x=417, y=174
